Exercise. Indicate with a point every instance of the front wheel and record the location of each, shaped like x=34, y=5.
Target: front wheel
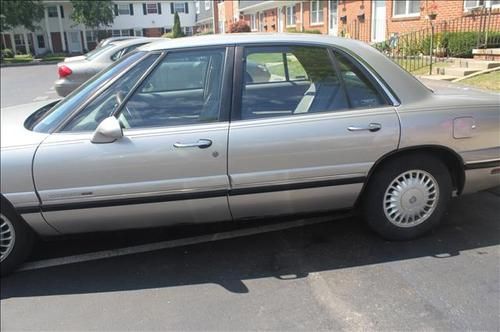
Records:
x=16, y=240
x=407, y=196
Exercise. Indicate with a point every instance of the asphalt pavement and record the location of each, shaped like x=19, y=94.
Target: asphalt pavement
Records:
x=333, y=275
x=26, y=84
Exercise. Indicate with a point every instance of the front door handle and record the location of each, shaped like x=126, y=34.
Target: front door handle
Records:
x=371, y=127
x=202, y=144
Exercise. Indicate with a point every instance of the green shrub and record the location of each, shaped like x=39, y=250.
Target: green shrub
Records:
x=294, y=30
x=168, y=35
x=8, y=53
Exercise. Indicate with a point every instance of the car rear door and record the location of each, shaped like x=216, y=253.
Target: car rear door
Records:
x=309, y=149
x=171, y=165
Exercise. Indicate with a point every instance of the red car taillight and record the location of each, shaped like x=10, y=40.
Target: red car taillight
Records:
x=64, y=71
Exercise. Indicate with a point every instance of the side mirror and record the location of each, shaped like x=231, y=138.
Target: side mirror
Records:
x=108, y=131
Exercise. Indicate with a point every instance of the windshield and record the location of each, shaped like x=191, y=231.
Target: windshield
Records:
x=95, y=53
x=60, y=111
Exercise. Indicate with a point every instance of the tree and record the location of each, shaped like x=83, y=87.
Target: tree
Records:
x=239, y=26
x=176, y=30
x=92, y=13
x=24, y=13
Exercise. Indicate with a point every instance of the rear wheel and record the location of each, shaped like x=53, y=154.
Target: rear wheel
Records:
x=16, y=240
x=407, y=196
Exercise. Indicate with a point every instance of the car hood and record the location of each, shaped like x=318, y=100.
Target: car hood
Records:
x=13, y=132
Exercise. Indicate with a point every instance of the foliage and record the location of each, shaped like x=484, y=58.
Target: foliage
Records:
x=7, y=53
x=207, y=32
x=24, y=13
x=176, y=30
x=313, y=31
x=239, y=26
x=93, y=13
x=168, y=35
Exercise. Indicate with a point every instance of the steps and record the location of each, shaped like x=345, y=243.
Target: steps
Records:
x=462, y=67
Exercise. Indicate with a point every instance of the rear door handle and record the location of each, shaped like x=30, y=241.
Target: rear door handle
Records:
x=371, y=127
x=202, y=144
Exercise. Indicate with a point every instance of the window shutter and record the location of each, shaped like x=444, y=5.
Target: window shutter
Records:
x=131, y=32
x=159, y=8
x=131, y=9
x=144, y=32
x=116, y=10
x=186, y=6
x=62, y=11
x=144, y=9
x=171, y=8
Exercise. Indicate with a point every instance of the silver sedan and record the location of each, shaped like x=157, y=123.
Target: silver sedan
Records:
x=240, y=127
x=74, y=71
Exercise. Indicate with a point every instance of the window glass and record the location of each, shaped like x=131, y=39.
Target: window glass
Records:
x=151, y=8
x=360, y=90
x=179, y=7
x=52, y=11
x=290, y=15
x=316, y=12
x=123, y=9
x=185, y=88
x=64, y=108
x=108, y=101
x=305, y=83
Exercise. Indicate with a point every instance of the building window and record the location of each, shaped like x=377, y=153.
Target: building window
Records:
x=41, y=41
x=52, y=11
x=406, y=8
x=207, y=5
x=125, y=32
x=197, y=6
x=179, y=7
x=151, y=8
x=290, y=16
x=123, y=9
x=138, y=33
x=470, y=4
x=188, y=31
x=316, y=12
x=18, y=40
x=91, y=36
x=253, y=22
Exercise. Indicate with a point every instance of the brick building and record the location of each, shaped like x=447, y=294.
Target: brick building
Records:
x=368, y=20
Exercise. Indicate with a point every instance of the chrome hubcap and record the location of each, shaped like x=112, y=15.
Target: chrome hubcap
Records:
x=411, y=198
x=7, y=237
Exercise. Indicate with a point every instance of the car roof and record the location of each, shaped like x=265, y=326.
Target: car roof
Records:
x=405, y=86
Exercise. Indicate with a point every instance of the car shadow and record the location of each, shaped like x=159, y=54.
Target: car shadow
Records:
x=471, y=224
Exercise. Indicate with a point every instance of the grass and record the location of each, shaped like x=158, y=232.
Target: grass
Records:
x=19, y=59
x=53, y=57
x=418, y=67
x=489, y=81
x=274, y=63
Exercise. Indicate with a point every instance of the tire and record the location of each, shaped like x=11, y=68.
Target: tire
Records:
x=23, y=238
x=418, y=187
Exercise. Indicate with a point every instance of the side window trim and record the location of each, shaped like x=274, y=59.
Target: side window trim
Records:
x=96, y=93
x=137, y=84
x=382, y=88
x=336, y=67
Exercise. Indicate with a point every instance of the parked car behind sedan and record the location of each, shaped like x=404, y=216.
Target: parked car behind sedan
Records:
x=75, y=72
x=240, y=127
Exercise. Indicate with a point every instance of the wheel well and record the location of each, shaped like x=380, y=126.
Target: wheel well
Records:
x=450, y=158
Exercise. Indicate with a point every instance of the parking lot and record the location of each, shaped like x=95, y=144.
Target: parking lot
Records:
x=329, y=275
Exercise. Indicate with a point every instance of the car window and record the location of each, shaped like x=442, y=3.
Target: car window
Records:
x=362, y=93
x=98, y=51
x=64, y=108
x=124, y=51
x=294, y=80
x=108, y=101
x=185, y=88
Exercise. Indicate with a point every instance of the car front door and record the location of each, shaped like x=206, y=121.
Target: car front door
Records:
x=309, y=147
x=169, y=167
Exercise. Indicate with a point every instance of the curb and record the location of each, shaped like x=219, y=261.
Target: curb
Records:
x=33, y=63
